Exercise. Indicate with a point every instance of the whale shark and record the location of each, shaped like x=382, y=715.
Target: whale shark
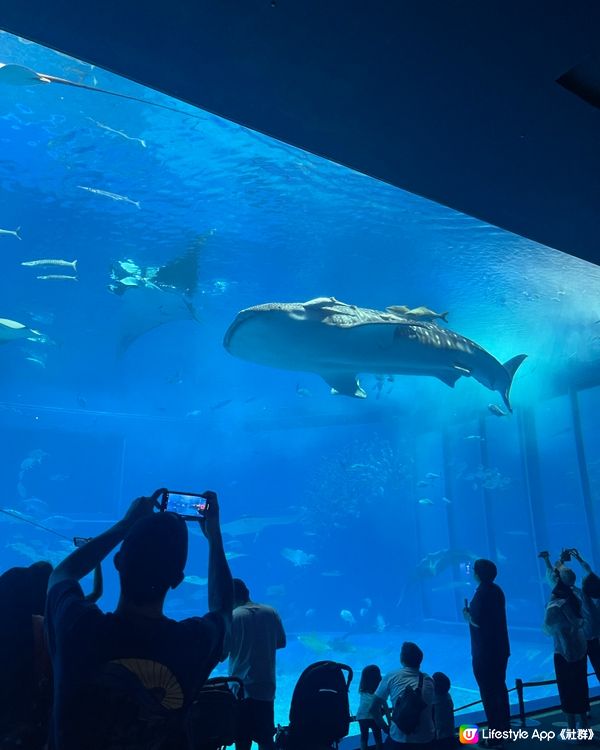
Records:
x=338, y=341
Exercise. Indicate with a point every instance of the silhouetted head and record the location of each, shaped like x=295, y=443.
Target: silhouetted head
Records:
x=241, y=594
x=411, y=655
x=152, y=557
x=485, y=570
x=441, y=683
x=591, y=585
x=568, y=576
x=370, y=679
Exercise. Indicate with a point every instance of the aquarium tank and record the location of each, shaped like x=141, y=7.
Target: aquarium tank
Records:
x=133, y=230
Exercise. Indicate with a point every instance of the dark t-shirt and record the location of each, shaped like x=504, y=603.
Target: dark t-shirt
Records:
x=489, y=642
x=177, y=657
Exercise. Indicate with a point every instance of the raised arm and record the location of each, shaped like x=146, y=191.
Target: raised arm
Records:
x=98, y=586
x=586, y=566
x=220, y=583
x=83, y=560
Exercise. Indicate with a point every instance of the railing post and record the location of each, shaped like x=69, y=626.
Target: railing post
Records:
x=519, y=689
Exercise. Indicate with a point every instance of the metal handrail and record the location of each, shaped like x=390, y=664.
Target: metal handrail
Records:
x=520, y=690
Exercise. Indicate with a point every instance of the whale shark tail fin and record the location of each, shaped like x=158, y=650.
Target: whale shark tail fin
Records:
x=511, y=366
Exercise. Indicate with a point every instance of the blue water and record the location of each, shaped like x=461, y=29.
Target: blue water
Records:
x=334, y=482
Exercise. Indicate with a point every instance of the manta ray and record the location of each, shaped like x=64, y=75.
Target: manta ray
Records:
x=153, y=296
x=19, y=75
x=337, y=341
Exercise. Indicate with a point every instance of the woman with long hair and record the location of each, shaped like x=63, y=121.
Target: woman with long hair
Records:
x=564, y=622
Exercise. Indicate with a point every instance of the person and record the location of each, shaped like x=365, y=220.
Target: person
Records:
x=369, y=714
x=490, y=648
x=443, y=712
x=393, y=686
x=566, y=573
x=25, y=693
x=256, y=634
x=135, y=656
x=590, y=599
x=563, y=620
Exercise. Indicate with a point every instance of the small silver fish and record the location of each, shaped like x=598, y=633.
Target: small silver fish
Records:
x=497, y=410
x=51, y=262
x=425, y=501
x=108, y=194
x=101, y=125
x=13, y=232
x=56, y=276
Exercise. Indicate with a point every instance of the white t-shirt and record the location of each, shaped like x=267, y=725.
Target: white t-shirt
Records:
x=566, y=629
x=369, y=708
x=392, y=686
x=256, y=633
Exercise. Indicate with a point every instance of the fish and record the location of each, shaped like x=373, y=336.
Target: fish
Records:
x=56, y=277
x=39, y=361
x=276, y=589
x=196, y=580
x=431, y=475
x=11, y=330
x=302, y=392
x=19, y=75
x=424, y=313
x=425, y=501
x=314, y=643
x=380, y=623
x=298, y=557
x=422, y=483
x=235, y=555
x=101, y=125
x=52, y=262
x=446, y=500
x=12, y=232
x=255, y=524
x=496, y=410
x=310, y=612
x=337, y=341
x=159, y=295
x=347, y=616
x=435, y=563
x=475, y=437
x=220, y=404
x=112, y=196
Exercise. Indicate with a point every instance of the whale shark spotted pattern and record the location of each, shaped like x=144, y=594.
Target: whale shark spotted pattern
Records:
x=338, y=341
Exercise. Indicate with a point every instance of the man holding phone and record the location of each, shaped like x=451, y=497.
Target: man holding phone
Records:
x=103, y=662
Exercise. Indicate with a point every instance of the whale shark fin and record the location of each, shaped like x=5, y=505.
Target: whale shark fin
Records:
x=344, y=384
x=450, y=378
x=511, y=366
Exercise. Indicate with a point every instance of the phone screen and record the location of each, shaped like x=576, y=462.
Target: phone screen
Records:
x=186, y=504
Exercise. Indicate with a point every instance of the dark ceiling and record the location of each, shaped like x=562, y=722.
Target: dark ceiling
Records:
x=456, y=101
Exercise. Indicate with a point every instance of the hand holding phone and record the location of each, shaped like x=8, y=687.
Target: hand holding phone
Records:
x=191, y=506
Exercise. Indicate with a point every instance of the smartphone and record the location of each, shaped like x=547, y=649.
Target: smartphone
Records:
x=189, y=505
x=79, y=541
x=466, y=604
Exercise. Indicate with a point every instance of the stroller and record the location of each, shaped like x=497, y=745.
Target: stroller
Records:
x=320, y=711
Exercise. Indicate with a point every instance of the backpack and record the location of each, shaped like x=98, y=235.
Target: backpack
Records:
x=212, y=719
x=320, y=710
x=408, y=707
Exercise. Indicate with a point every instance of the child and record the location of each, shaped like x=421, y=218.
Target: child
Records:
x=443, y=712
x=369, y=710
